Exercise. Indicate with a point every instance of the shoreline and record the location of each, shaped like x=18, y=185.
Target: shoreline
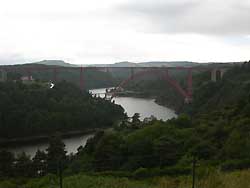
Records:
x=42, y=138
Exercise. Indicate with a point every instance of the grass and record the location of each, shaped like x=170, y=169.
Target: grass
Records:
x=238, y=179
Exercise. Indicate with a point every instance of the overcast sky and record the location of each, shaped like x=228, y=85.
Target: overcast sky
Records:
x=97, y=31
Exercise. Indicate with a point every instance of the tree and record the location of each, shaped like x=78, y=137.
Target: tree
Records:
x=39, y=163
x=56, y=154
x=23, y=166
x=136, y=119
x=166, y=149
x=92, y=142
x=108, y=153
x=6, y=163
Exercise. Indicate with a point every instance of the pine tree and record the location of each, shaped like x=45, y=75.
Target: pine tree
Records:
x=56, y=154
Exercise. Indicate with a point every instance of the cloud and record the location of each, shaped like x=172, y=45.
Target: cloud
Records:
x=12, y=58
x=210, y=17
x=85, y=32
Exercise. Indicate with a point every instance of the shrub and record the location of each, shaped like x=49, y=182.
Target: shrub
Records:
x=235, y=165
x=141, y=173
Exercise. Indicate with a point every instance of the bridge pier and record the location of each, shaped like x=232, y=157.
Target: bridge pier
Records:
x=217, y=74
x=188, y=100
x=28, y=74
x=190, y=83
x=81, y=79
x=132, y=73
x=3, y=75
x=55, y=75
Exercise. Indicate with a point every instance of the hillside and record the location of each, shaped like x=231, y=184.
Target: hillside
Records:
x=56, y=63
x=234, y=86
x=149, y=64
x=123, y=64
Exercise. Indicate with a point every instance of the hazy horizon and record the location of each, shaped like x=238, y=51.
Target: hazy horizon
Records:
x=105, y=32
x=150, y=61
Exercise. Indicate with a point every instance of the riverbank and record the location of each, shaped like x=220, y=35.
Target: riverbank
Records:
x=42, y=138
x=176, y=105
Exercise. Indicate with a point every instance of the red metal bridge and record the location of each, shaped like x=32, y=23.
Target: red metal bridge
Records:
x=135, y=72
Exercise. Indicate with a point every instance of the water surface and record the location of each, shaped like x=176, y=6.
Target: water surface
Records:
x=146, y=107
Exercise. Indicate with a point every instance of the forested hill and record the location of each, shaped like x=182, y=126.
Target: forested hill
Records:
x=209, y=96
x=56, y=63
x=35, y=109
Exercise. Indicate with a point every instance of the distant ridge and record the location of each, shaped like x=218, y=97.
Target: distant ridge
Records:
x=55, y=63
x=123, y=64
x=169, y=64
x=132, y=64
x=150, y=64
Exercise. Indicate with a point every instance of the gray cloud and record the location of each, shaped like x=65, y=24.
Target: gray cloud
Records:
x=9, y=59
x=216, y=17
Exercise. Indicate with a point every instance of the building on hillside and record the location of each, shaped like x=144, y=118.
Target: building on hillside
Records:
x=27, y=79
x=3, y=76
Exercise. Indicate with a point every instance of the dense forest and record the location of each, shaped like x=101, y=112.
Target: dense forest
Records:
x=35, y=109
x=209, y=96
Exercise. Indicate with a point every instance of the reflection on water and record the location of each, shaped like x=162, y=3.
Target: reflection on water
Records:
x=146, y=107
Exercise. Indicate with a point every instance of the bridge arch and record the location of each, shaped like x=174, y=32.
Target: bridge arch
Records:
x=187, y=95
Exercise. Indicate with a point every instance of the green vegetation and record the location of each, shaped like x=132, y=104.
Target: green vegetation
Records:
x=217, y=137
x=215, y=134
x=30, y=110
x=212, y=179
x=210, y=96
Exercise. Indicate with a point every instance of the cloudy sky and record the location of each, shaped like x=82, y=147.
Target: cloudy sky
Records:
x=96, y=31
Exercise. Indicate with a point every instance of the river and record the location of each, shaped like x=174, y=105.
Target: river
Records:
x=146, y=107
x=131, y=105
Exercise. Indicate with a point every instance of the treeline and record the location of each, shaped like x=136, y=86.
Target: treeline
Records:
x=44, y=162
x=30, y=110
